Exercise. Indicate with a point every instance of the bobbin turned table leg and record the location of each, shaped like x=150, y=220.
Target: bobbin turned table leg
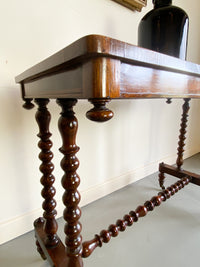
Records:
x=183, y=131
x=161, y=178
x=49, y=225
x=181, y=143
x=68, y=126
x=43, y=118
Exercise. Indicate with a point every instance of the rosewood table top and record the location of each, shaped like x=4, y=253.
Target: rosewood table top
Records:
x=101, y=67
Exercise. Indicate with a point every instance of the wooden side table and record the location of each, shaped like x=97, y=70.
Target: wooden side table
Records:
x=99, y=69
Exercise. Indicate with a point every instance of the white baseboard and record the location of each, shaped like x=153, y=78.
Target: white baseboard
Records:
x=101, y=190
x=23, y=224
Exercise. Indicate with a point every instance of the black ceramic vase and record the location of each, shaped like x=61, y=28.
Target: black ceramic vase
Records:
x=165, y=29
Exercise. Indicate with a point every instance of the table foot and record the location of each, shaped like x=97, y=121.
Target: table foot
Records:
x=161, y=179
x=174, y=171
x=40, y=222
x=56, y=255
x=40, y=251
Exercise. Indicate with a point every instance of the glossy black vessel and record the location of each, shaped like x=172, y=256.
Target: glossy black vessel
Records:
x=165, y=29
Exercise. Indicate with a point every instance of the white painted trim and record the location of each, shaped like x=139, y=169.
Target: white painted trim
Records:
x=24, y=223
x=101, y=190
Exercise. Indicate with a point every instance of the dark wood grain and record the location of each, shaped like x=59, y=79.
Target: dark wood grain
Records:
x=105, y=67
x=101, y=78
x=93, y=46
x=132, y=217
x=68, y=126
x=144, y=82
x=43, y=118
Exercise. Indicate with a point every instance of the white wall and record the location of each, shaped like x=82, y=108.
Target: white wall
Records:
x=112, y=154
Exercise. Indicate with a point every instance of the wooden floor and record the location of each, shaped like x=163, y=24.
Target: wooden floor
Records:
x=169, y=236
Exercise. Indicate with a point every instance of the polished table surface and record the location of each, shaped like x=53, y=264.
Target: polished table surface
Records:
x=99, y=69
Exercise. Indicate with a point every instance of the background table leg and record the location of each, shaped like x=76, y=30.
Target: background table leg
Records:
x=181, y=143
x=183, y=131
x=161, y=178
x=43, y=118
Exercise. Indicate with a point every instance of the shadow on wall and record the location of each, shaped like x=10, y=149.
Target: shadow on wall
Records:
x=16, y=155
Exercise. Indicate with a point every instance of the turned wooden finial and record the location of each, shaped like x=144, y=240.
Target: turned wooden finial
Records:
x=27, y=101
x=100, y=113
x=28, y=105
x=169, y=101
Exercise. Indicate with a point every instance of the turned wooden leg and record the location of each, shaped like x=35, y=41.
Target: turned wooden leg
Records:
x=68, y=126
x=161, y=178
x=181, y=143
x=182, y=137
x=43, y=118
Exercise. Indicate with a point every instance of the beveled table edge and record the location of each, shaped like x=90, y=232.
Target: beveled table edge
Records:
x=92, y=46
